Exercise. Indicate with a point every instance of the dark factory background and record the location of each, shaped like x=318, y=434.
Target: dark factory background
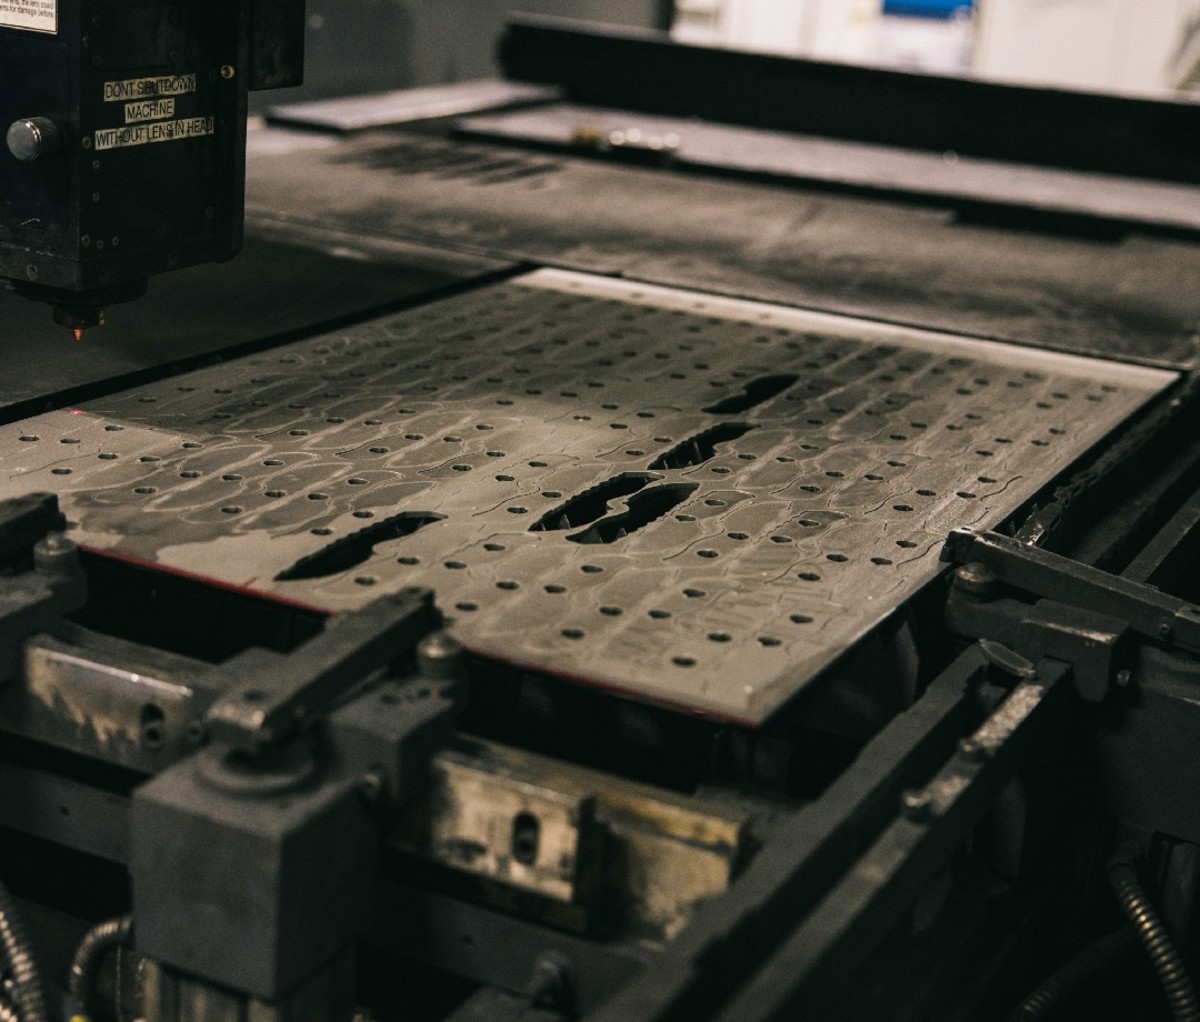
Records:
x=620, y=511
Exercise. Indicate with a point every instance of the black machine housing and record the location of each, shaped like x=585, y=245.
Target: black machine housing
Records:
x=142, y=110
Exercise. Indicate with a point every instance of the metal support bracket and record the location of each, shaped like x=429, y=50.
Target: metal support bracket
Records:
x=1040, y=573
x=270, y=696
x=33, y=600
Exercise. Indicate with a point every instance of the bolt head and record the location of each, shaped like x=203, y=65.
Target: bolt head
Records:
x=976, y=579
x=917, y=805
x=56, y=554
x=440, y=655
x=972, y=751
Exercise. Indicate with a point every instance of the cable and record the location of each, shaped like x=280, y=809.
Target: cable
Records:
x=85, y=967
x=1122, y=876
x=1094, y=959
x=29, y=999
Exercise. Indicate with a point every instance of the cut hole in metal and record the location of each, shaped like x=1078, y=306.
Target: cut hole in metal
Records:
x=355, y=549
x=702, y=447
x=592, y=503
x=755, y=392
x=643, y=509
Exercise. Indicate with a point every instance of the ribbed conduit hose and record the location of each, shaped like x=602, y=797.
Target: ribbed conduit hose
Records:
x=1094, y=959
x=1122, y=876
x=29, y=999
x=85, y=968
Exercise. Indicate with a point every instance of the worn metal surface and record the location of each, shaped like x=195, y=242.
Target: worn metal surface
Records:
x=1138, y=136
x=495, y=947
x=106, y=698
x=355, y=113
x=64, y=811
x=642, y=857
x=836, y=938
x=939, y=175
x=270, y=696
x=805, y=858
x=172, y=996
x=696, y=501
x=533, y=836
x=1046, y=575
x=1126, y=296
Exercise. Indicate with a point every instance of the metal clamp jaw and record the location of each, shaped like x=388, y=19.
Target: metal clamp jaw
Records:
x=1043, y=604
x=45, y=580
x=253, y=860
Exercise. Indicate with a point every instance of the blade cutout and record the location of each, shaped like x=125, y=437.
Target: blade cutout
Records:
x=592, y=503
x=355, y=549
x=756, y=392
x=702, y=447
x=643, y=508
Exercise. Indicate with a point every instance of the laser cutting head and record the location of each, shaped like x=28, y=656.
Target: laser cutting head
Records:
x=125, y=139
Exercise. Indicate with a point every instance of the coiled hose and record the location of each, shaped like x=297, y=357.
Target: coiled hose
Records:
x=1123, y=878
x=1093, y=960
x=85, y=968
x=29, y=998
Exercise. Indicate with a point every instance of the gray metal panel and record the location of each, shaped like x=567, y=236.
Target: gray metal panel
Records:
x=766, y=484
x=946, y=176
x=1134, y=298
x=356, y=113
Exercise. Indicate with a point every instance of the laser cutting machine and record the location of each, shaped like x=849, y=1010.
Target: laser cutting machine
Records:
x=670, y=535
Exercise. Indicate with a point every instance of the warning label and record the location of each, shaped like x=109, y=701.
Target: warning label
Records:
x=147, y=88
x=154, y=110
x=34, y=15
x=160, y=131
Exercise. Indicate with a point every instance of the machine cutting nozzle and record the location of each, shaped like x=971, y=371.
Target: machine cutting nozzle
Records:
x=78, y=319
x=80, y=311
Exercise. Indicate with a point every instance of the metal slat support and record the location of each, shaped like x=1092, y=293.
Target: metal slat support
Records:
x=732, y=933
x=838, y=936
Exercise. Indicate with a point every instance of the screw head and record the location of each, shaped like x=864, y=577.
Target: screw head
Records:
x=917, y=805
x=440, y=655
x=976, y=579
x=972, y=751
x=55, y=554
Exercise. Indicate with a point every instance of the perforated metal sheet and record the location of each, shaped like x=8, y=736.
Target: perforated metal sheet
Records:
x=697, y=501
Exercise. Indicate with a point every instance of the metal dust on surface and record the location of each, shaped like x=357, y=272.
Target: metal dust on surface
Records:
x=697, y=501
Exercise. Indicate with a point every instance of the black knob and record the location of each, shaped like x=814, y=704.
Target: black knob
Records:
x=34, y=138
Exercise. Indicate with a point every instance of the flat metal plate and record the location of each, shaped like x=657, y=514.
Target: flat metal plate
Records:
x=379, y=110
x=697, y=501
x=946, y=176
x=1133, y=299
